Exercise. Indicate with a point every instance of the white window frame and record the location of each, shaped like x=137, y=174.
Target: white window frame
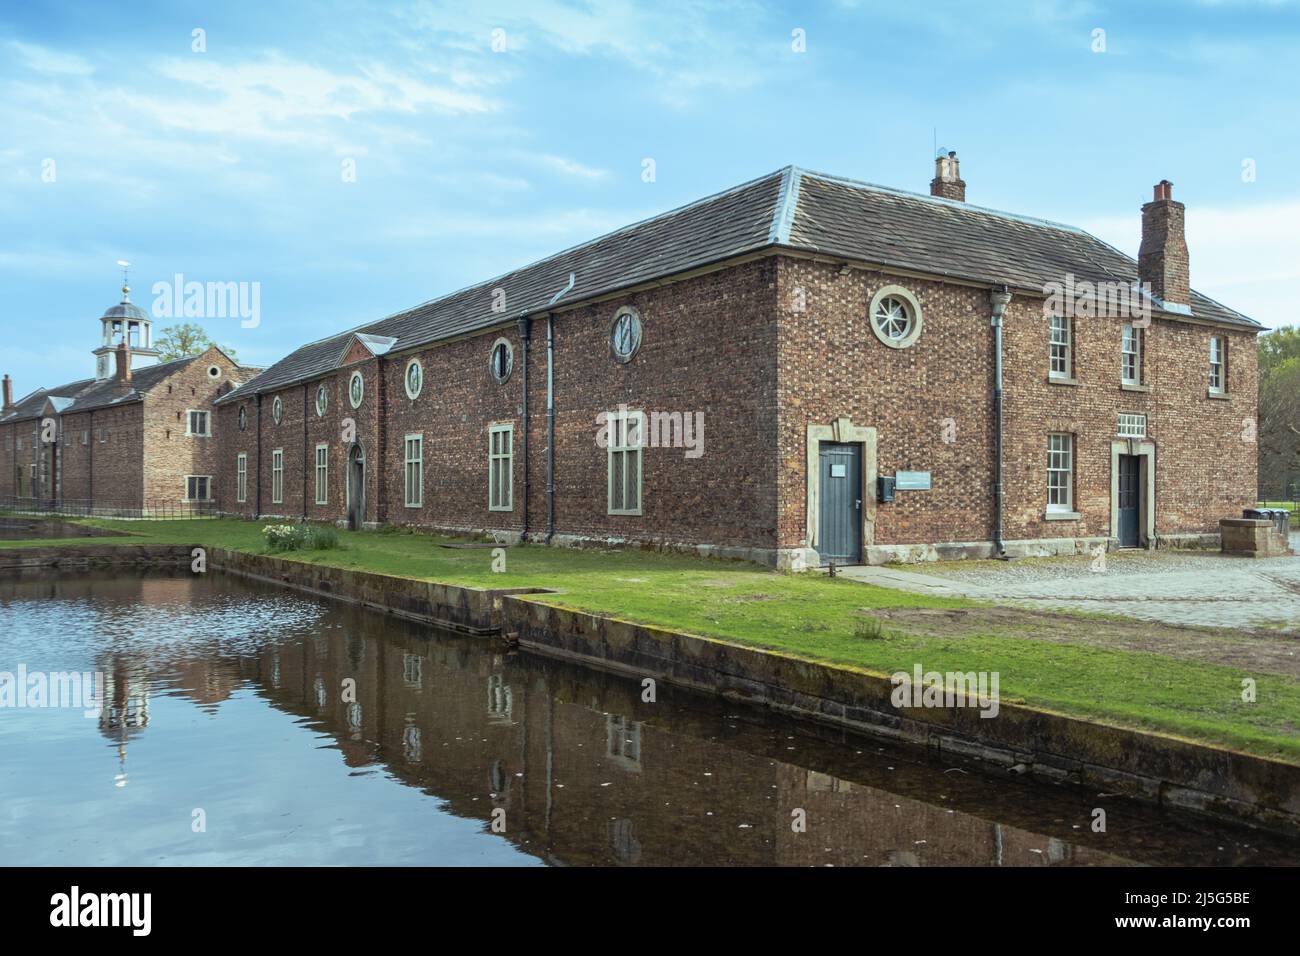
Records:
x=322, y=473
x=413, y=469
x=189, y=423
x=205, y=478
x=1060, y=347
x=1060, y=461
x=1218, y=365
x=241, y=477
x=621, y=446
x=1130, y=361
x=277, y=476
x=413, y=394
x=501, y=468
x=1131, y=425
x=360, y=393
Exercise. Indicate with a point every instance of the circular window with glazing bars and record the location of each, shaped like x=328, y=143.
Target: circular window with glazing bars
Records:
x=414, y=379
x=625, y=334
x=895, y=317
x=322, y=400
x=356, y=389
x=501, y=361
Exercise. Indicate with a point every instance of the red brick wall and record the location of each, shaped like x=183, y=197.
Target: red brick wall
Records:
x=173, y=455
x=831, y=364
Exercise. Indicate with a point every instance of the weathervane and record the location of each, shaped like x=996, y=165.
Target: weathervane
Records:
x=126, y=268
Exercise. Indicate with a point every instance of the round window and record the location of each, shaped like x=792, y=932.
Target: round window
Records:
x=243, y=417
x=214, y=372
x=322, y=400
x=356, y=389
x=895, y=317
x=414, y=379
x=277, y=409
x=625, y=334
x=501, y=361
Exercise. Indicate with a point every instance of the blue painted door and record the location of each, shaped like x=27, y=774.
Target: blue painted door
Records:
x=839, y=532
x=1130, y=502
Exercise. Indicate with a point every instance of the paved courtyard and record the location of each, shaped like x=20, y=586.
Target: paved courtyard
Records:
x=1175, y=587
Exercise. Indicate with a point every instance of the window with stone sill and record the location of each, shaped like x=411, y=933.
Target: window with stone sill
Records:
x=1218, y=365
x=1061, y=347
x=1060, y=473
x=1131, y=355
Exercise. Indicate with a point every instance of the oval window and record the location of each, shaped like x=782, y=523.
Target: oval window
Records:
x=277, y=409
x=243, y=417
x=501, y=361
x=356, y=389
x=214, y=371
x=625, y=334
x=322, y=400
x=895, y=317
x=414, y=379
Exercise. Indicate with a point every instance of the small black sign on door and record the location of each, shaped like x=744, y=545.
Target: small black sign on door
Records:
x=839, y=529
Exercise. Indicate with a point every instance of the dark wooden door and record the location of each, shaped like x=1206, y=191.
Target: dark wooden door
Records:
x=1130, y=502
x=840, y=508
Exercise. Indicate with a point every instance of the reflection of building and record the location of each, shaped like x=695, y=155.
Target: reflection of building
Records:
x=124, y=710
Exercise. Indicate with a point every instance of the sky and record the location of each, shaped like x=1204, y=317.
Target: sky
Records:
x=351, y=160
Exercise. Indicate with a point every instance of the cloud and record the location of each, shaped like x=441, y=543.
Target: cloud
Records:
x=40, y=59
x=571, y=168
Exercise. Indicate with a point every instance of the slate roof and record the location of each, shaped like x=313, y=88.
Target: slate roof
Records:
x=791, y=208
x=87, y=394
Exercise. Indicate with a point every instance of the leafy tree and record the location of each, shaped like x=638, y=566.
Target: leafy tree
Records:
x=1279, y=411
x=185, y=339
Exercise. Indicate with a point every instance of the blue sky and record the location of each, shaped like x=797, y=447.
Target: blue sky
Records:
x=227, y=165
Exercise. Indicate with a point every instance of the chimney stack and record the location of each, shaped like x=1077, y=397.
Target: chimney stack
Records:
x=123, y=364
x=947, y=182
x=8, y=395
x=1162, y=257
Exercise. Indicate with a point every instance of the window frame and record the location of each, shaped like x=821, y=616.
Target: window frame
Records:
x=415, y=439
x=617, y=445
x=277, y=476
x=208, y=488
x=910, y=304
x=356, y=376
x=189, y=423
x=495, y=458
x=1218, y=358
x=1058, y=349
x=1066, y=507
x=1131, y=334
x=322, y=473
x=406, y=379
x=241, y=478
x=501, y=343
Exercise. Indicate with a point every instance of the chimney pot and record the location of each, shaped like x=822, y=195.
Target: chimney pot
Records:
x=1162, y=257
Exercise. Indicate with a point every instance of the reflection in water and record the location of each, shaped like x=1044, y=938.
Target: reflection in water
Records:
x=313, y=732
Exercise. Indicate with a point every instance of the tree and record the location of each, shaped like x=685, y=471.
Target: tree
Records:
x=1279, y=411
x=181, y=341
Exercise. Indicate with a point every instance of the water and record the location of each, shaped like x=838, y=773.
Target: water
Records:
x=225, y=707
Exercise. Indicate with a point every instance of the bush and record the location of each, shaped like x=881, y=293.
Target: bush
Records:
x=300, y=537
x=869, y=629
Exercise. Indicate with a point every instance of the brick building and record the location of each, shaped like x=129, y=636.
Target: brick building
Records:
x=800, y=369
x=137, y=437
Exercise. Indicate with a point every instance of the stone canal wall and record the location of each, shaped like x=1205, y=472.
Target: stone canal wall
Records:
x=63, y=557
x=468, y=610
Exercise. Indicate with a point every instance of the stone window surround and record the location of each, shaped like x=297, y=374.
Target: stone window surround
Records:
x=840, y=431
x=896, y=292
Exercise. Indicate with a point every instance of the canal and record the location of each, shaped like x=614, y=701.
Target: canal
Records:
x=246, y=724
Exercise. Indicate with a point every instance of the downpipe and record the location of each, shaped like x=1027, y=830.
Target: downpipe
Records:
x=999, y=299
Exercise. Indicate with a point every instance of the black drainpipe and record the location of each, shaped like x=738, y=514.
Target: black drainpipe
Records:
x=304, y=453
x=550, y=427
x=999, y=298
x=525, y=335
x=257, y=480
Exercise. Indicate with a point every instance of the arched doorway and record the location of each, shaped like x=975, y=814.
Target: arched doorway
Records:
x=356, y=487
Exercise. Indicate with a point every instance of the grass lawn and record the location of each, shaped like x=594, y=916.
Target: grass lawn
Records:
x=817, y=617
